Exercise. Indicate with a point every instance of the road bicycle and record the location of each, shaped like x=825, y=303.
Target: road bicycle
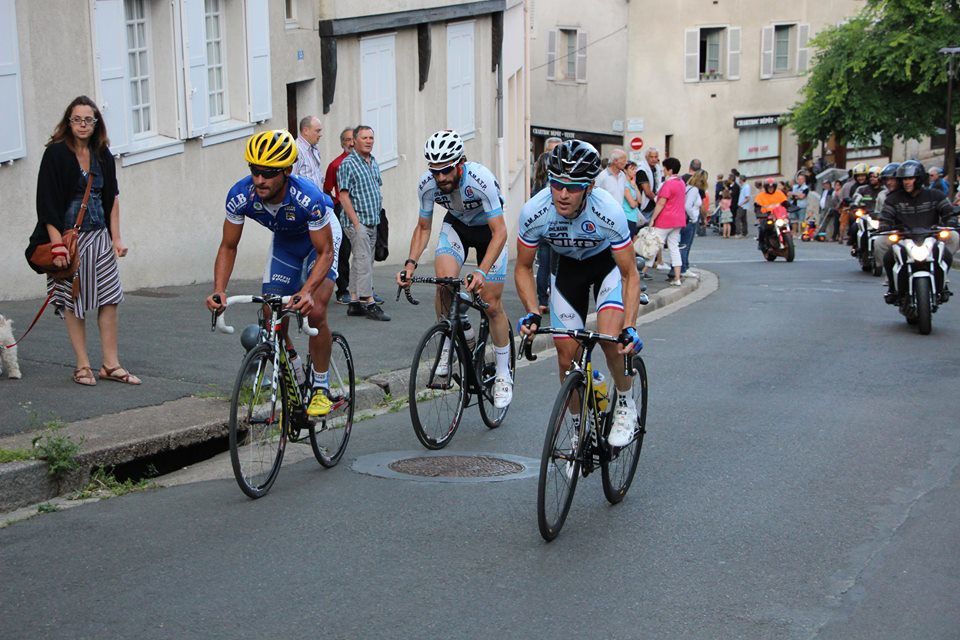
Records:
x=268, y=407
x=576, y=438
x=444, y=380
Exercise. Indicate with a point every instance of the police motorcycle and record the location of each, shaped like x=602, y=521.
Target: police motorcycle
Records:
x=865, y=226
x=777, y=236
x=921, y=263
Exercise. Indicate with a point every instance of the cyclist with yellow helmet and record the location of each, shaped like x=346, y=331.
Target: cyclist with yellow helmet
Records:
x=306, y=239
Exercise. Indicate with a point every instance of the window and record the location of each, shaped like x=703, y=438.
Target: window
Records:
x=516, y=141
x=783, y=50
x=290, y=10
x=567, y=55
x=759, y=150
x=378, y=95
x=215, y=69
x=12, y=136
x=711, y=53
x=461, y=101
x=138, y=67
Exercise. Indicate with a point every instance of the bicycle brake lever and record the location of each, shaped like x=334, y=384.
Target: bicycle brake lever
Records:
x=526, y=349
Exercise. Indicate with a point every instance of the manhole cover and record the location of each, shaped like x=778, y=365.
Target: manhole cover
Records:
x=456, y=466
x=435, y=466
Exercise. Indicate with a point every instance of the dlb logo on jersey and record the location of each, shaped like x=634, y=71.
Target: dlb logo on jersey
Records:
x=588, y=226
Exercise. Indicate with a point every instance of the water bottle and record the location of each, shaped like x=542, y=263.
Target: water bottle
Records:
x=600, y=390
x=468, y=331
x=297, y=365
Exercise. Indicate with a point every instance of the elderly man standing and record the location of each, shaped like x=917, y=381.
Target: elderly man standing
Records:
x=330, y=188
x=308, y=156
x=649, y=179
x=612, y=179
x=359, y=181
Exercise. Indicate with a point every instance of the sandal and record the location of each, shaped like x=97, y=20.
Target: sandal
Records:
x=111, y=374
x=84, y=376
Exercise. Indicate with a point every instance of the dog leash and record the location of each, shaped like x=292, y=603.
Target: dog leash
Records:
x=35, y=319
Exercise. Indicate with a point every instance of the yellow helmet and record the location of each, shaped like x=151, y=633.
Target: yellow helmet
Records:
x=861, y=169
x=275, y=148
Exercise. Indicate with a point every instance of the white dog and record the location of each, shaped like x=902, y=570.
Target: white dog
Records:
x=8, y=357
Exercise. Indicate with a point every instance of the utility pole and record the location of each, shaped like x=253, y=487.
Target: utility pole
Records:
x=950, y=153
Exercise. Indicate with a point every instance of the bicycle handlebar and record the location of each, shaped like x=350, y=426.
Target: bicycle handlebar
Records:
x=221, y=325
x=580, y=335
x=456, y=283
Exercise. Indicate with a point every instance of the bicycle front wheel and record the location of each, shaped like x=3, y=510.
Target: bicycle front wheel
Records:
x=437, y=392
x=486, y=370
x=618, y=466
x=258, y=422
x=560, y=460
x=329, y=436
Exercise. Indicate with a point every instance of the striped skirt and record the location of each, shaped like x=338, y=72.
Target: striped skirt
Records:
x=99, y=277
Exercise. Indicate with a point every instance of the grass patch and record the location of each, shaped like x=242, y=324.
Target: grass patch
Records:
x=14, y=455
x=57, y=449
x=47, y=507
x=103, y=484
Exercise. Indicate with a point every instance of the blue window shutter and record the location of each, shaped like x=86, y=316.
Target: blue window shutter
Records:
x=195, y=63
x=110, y=26
x=258, y=60
x=12, y=138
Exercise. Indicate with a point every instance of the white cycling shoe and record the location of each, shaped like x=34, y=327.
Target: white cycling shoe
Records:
x=443, y=367
x=502, y=392
x=624, y=423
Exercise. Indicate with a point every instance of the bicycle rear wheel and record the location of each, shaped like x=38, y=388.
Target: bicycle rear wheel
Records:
x=258, y=422
x=618, y=466
x=560, y=459
x=437, y=397
x=329, y=436
x=486, y=368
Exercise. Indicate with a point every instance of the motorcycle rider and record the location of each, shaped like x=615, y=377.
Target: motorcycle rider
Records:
x=763, y=204
x=860, y=172
x=867, y=194
x=914, y=207
x=888, y=178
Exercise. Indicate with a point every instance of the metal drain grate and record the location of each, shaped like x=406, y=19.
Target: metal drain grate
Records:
x=456, y=467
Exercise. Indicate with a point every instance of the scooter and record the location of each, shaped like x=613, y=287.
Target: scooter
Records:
x=777, y=236
x=864, y=238
x=921, y=264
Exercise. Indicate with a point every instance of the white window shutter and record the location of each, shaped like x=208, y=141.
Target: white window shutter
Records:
x=803, y=52
x=378, y=94
x=111, y=39
x=195, y=66
x=766, y=52
x=581, y=56
x=12, y=137
x=552, y=54
x=733, y=53
x=258, y=60
x=691, y=55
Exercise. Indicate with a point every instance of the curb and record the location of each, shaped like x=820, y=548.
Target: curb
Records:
x=137, y=434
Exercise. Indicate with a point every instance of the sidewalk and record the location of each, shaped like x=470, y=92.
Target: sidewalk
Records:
x=187, y=373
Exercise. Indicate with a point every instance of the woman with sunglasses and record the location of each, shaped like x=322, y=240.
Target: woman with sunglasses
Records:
x=474, y=219
x=588, y=232
x=303, y=254
x=78, y=151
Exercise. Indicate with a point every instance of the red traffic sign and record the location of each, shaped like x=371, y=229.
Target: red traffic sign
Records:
x=637, y=143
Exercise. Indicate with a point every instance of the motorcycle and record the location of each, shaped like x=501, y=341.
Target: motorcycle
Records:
x=864, y=239
x=921, y=263
x=777, y=237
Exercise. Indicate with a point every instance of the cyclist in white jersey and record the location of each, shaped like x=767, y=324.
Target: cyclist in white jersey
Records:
x=474, y=219
x=587, y=229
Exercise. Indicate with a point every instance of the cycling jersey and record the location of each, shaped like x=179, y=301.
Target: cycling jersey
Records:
x=600, y=226
x=474, y=202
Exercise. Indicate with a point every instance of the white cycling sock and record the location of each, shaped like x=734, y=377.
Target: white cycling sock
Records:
x=320, y=378
x=503, y=360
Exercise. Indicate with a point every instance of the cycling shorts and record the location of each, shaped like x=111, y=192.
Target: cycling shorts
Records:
x=457, y=238
x=289, y=262
x=570, y=289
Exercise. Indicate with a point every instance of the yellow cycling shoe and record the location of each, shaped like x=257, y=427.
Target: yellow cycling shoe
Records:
x=320, y=404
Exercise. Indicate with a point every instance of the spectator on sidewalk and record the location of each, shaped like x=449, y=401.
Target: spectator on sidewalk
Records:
x=612, y=179
x=360, y=184
x=649, y=179
x=744, y=197
x=78, y=153
x=695, y=165
x=937, y=181
x=631, y=200
x=330, y=187
x=798, y=201
x=308, y=163
x=669, y=214
x=544, y=251
x=696, y=202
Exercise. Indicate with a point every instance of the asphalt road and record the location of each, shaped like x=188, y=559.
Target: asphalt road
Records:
x=799, y=480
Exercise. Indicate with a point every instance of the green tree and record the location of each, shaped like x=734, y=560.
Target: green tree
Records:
x=880, y=73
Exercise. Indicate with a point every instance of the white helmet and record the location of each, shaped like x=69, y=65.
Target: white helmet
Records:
x=443, y=147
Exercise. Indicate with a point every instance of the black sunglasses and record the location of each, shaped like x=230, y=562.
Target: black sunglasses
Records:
x=443, y=171
x=265, y=173
x=572, y=187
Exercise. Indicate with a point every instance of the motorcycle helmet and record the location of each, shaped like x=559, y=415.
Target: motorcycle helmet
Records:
x=890, y=171
x=912, y=169
x=860, y=169
x=574, y=161
x=874, y=171
x=443, y=147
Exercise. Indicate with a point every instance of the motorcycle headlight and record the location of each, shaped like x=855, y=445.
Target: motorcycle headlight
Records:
x=894, y=238
x=919, y=253
x=874, y=224
x=781, y=222
x=859, y=213
x=944, y=234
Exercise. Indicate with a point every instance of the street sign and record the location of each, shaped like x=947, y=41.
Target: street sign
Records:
x=637, y=143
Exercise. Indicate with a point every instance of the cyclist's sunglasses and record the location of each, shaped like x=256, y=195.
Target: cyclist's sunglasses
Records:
x=442, y=171
x=269, y=172
x=572, y=187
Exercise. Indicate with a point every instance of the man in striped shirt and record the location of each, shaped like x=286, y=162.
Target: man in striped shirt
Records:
x=308, y=156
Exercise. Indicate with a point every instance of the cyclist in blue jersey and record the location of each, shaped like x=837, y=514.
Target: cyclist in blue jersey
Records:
x=587, y=230
x=474, y=219
x=303, y=254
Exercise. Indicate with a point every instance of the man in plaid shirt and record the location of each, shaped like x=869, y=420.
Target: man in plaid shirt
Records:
x=359, y=180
